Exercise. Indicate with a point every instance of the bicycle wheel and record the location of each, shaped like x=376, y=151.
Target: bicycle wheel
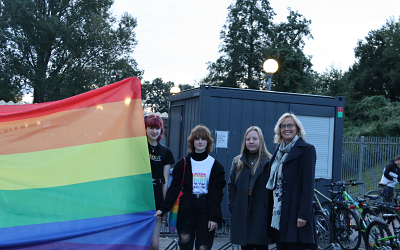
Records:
x=377, y=236
x=324, y=230
x=327, y=206
x=381, y=197
x=393, y=222
x=367, y=212
x=346, y=228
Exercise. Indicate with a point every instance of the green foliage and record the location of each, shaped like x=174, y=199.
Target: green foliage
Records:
x=184, y=87
x=244, y=36
x=155, y=95
x=60, y=48
x=333, y=82
x=295, y=73
x=377, y=71
x=374, y=116
x=373, y=93
x=249, y=37
x=10, y=87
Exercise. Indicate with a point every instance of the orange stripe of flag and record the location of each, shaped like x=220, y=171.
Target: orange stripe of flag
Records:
x=99, y=123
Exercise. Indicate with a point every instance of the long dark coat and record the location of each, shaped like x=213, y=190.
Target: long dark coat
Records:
x=247, y=225
x=298, y=193
x=215, y=191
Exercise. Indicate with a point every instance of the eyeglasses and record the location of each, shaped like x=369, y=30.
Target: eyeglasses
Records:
x=286, y=126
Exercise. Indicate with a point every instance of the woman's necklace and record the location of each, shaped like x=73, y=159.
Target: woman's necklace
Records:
x=152, y=148
x=252, y=162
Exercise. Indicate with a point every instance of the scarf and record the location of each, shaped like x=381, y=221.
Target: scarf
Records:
x=274, y=182
x=279, y=159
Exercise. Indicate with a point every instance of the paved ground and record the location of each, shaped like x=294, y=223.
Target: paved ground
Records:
x=220, y=243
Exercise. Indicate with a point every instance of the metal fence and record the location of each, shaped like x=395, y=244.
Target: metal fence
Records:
x=364, y=159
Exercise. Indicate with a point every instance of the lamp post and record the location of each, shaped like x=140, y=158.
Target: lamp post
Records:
x=270, y=66
x=174, y=90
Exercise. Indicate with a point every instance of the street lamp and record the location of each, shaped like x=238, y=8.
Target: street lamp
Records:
x=174, y=90
x=270, y=66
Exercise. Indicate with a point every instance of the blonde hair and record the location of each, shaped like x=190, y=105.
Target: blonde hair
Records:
x=262, y=150
x=203, y=132
x=300, y=130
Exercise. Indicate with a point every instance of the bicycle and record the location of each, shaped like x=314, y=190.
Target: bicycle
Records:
x=381, y=195
x=322, y=224
x=343, y=221
x=382, y=208
x=362, y=211
x=378, y=235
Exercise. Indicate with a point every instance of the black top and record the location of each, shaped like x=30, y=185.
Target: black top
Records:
x=199, y=157
x=160, y=156
x=392, y=168
x=215, y=190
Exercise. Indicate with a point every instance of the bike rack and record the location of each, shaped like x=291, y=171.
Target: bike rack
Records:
x=229, y=245
x=332, y=246
x=173, y=245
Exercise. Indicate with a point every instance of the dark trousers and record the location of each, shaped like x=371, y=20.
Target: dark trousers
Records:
x=158, y=193
x=196, y=231
x=254, y=247
x=388, y=192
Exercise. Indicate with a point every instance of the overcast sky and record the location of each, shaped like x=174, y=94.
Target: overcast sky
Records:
x=176, y=38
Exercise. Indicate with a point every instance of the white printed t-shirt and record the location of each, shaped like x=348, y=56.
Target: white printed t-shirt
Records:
x=201, y=171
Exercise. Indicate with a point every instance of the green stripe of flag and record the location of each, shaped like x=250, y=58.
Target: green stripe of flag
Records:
x=121, y=195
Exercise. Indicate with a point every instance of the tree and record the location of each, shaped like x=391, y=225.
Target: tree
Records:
x=374, y=116
x=244, y=35
x=60, y=48
x=333, y=82
x=295, y=73
x=249, y=37
x=377, y=71
x=156, y=95
x=184, y=87
x=10, y=89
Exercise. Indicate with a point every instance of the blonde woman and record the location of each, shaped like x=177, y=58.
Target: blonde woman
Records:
x=291, y=185
x=247, y=193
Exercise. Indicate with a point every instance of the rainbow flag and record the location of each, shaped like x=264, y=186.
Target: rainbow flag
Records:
x=75, y=173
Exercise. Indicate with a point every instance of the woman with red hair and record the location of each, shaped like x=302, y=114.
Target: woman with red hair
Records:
x=161, y=159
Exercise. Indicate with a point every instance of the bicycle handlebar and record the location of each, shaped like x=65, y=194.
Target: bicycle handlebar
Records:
x=343, y=184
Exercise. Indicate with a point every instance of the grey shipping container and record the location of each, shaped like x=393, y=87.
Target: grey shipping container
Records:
x=228, y=112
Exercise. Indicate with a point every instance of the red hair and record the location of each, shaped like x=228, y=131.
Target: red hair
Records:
x=154, y=121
